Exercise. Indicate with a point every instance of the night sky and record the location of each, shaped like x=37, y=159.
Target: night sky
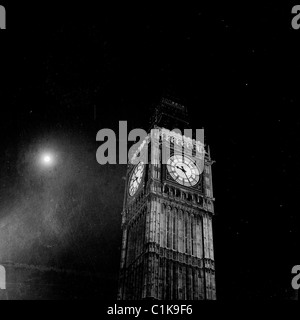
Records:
x=237, y=71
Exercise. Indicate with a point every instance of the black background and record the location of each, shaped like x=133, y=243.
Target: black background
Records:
x=234, y=67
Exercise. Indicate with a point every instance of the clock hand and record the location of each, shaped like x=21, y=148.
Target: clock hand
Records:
x=182, y=169
x=133, y=181
x=187, y=178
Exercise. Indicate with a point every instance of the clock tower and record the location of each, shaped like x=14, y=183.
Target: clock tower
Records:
x=167, y=244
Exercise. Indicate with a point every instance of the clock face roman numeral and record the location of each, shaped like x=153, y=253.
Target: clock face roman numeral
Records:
x=136, y=178
x=183, y=170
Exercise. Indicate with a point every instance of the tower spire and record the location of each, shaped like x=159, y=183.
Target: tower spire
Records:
x=169, y=113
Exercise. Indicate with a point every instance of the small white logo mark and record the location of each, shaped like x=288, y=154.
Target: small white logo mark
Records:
x=296, y=18
x=2, y=17
x=296, y=279
x=2, y=278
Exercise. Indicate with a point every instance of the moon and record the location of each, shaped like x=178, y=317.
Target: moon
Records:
x=47, y=159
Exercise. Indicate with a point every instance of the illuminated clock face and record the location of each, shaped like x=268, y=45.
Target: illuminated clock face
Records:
x=183, y=170
x=136, y=178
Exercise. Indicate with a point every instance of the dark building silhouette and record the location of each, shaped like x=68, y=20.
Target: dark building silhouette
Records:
x=167, y=245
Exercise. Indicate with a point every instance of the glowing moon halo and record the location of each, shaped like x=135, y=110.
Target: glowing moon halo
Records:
x=47, y=159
